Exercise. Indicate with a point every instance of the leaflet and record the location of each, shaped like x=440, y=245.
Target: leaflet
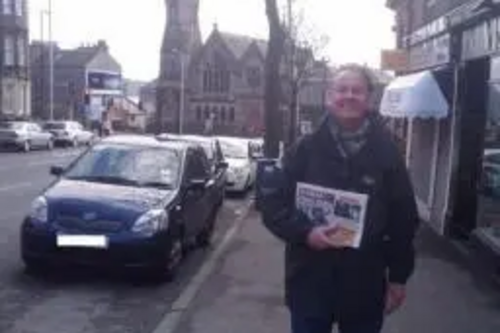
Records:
x=325, y=206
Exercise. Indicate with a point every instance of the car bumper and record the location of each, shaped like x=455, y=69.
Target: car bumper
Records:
x=124, y=251
x=14, y=142
x=237, y=185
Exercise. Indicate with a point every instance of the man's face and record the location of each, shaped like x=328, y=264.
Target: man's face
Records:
x=348, y=96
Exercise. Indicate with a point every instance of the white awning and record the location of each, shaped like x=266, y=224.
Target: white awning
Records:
x=414, y=96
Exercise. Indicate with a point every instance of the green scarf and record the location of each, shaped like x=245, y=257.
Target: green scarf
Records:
x=349, y=143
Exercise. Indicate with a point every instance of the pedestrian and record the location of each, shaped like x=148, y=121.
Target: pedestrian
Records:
x=326, y=283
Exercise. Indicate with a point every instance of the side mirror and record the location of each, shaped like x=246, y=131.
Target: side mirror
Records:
x=56, y=170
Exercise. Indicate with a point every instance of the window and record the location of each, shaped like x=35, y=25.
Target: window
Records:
x=19, y=7
x=9, y=51
x=231, y=114
x=21, y=52
x=254, y=77
x=199, y=114
x=223, y=115
x=216, y=79
x=196, y=169
x=7, y=7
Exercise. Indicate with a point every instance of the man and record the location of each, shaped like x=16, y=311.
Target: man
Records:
x=327, y=283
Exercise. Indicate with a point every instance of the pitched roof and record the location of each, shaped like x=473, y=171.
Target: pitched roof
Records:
x=76, y=58
x=239, y=44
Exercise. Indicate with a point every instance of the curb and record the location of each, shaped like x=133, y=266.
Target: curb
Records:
x=173, y=318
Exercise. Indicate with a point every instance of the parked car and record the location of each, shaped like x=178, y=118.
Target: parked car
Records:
x=242, y=167
x=128, y=201
x=213, y=150
x=69, y=133
x=24, y=135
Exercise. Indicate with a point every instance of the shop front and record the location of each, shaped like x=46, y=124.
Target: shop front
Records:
x=476, y=200
x=424, y=97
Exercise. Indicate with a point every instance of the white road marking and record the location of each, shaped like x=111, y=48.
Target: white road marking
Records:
x=173, y=318
x=15, y=186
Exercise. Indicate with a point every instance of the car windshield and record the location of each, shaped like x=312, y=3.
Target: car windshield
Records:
x=12, y=126
x=234, y=150
x=128, y=165
x=493, y=158
x=54, y=126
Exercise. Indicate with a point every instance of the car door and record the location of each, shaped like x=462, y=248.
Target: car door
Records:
x=35, y=134
x=194, y=202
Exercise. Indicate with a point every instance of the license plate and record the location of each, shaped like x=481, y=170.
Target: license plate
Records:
x=99, y=242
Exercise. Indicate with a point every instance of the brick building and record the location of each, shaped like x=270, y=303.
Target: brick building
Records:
x=14, y=74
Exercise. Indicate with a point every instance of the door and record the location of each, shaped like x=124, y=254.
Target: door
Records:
x=473, y=95
x=36, y=135
x=194, y=200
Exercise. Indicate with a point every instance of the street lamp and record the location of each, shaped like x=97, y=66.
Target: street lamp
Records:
x=51, y=64
x=181, y=56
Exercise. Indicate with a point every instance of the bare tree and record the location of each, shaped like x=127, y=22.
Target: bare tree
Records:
x=304, y=44
x=273, y=93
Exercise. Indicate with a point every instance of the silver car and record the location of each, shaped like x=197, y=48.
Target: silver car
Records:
x=24, y=135
x=69, y=133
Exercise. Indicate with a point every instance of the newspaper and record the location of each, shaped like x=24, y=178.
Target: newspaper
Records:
x=325, y=206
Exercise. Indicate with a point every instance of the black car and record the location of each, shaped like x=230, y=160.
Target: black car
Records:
x=127, y=202
x=218, y=165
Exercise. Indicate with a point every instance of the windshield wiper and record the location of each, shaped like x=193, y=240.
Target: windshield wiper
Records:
x=106, y=179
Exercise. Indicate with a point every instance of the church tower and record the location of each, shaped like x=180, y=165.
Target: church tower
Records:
x=182, y=37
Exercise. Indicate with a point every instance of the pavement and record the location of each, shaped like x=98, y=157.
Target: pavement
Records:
x=244, y=292
x=67, y=302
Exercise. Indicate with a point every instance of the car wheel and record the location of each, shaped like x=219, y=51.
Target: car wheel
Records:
x=204, y=238
x=167, y=270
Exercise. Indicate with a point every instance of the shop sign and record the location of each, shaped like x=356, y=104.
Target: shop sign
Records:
x=431, y=53
x=394, y=60
x=429, y=30
x=481, y=40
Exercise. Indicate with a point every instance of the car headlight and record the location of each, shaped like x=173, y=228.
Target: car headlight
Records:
x=39, y=210
x=151, y=222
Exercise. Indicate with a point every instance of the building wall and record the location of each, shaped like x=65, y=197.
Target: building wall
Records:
x=14, y=75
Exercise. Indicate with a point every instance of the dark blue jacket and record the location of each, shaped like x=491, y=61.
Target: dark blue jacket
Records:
x=350, y=281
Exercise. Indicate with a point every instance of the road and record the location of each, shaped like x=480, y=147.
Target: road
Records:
x=75, y=303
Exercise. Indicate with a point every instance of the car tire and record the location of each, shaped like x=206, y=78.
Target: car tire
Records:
x=204, y=238
x=168, y=269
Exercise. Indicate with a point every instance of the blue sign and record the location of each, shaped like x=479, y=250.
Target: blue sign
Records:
x=104, y=81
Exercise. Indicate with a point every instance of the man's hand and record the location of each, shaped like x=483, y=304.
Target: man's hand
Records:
x=320, y=237
x=395, y=297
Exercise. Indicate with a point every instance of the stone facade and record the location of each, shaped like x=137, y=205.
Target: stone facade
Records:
x=14, y=63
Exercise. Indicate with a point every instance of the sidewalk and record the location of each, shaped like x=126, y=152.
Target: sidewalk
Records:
x=244, y=293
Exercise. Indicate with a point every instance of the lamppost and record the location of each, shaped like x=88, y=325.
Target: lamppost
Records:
x=51, y=63
x=181, y=110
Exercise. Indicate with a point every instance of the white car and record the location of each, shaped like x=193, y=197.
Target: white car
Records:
x=69, y=133
x=241, y=171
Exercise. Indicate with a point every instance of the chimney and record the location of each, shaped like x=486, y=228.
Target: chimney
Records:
x=101, y=44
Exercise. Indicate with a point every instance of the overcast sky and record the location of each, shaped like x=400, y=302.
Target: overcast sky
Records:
x=357, y=29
